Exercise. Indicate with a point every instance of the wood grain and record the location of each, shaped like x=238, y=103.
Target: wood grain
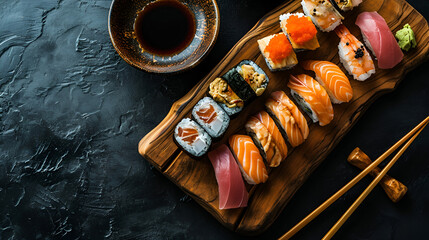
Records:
x=196, y=177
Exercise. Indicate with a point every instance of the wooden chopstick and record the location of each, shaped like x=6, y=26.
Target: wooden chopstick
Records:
x=371, y=186
x=349, y=185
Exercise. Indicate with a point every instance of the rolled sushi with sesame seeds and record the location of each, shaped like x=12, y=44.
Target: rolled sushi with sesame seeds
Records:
x=253, y=75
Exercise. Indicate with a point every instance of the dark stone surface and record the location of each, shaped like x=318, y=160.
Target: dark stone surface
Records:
x=72, y=112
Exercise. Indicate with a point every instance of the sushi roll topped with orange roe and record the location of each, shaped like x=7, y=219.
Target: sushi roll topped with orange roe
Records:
x=278, y=52
x=300, y=30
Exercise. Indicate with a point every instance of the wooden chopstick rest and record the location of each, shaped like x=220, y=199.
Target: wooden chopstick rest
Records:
x=394, y=189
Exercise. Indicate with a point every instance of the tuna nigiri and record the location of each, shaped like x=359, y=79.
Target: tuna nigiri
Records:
x=264, y=141
x=232, y=191
x=353, y=55
x=269, y=123
x=331, y=77
x=249, y=159
x=312, y=97
x=379, y=39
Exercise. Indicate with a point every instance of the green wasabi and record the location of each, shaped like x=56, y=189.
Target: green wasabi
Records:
x=406, y=38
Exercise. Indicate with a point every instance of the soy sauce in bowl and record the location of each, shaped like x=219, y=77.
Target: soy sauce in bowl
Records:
x=165, y=27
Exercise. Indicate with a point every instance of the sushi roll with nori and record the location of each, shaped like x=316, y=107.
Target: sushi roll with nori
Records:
x=192, y=138
x=222, y=93
x=211, y=117
x=278, y=52
x=300, y=31
x=238, y=85
x=253, y=75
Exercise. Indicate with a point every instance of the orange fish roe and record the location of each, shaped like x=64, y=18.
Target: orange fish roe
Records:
x=300, y=29
x=279, y=47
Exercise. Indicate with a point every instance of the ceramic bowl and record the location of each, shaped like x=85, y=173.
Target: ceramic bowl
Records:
x=121, y=29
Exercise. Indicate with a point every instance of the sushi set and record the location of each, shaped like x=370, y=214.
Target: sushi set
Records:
x=247, y=136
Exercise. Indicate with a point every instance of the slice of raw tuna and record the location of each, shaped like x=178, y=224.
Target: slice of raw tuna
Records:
x=232, y=191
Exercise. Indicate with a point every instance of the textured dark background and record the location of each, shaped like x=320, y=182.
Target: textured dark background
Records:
x=72, y=112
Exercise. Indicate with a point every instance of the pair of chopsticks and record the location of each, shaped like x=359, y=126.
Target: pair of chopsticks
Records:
x=411, y=136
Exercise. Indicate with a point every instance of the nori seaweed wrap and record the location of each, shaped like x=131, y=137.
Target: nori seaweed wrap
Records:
x=239, y=85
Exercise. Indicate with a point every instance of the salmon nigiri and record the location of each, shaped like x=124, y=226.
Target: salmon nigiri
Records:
x=312, y=98
x=269, y=123
x=264, y=141
x=296, y=118
x=249, y=159
x=330, y=76
x=285, y=122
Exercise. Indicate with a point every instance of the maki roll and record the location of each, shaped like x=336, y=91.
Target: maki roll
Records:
x=222, y=93
x=322, y=13
x=247, y=79
x=278, y=52
x=253, y=75
x=300, y=31
x=264, y=141
x=192, y=138
x=211, y=117
x=312, y=98
x=240, y=87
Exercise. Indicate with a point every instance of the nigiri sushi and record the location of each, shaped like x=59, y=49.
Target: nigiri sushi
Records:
x=278, y=52
x=271, y=126
x=300, y=31
x=211, y=117
x=312, y=98
x=346, y=5
x=378, y=37
x=322, y=13
x=353, y=55
x=222, y=93
x=264, y=141
x=299, y=118
x=330, y=76
x=249, y=159
x=191, y=137
x=232, y=191
x=290, y=120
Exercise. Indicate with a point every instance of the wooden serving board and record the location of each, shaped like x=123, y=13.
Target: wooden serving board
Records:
x=266, y=201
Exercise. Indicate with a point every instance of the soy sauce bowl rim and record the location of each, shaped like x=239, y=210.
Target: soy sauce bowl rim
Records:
x=163, y=69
